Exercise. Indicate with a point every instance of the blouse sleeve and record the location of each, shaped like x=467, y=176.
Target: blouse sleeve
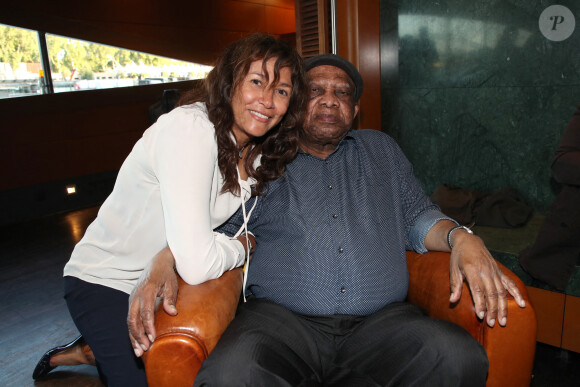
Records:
x=184, y=153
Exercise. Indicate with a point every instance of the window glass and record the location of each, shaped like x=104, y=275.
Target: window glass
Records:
x=20, y=68
x=80, y=65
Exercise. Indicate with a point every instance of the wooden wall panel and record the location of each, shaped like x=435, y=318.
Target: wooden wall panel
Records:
x=370, y=64
x=280, y=20
x=312, y=27
x=347, y=29
x=358, y=30
x=549, y=307
x=54, y=137
x=571, y=330
x=182, y=29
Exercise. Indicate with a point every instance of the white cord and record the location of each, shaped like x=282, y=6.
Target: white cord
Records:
x=244, y=228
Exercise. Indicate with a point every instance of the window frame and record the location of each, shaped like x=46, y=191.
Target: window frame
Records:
x=45, y=63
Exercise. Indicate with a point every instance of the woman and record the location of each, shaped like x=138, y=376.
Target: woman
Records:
x=188, y=174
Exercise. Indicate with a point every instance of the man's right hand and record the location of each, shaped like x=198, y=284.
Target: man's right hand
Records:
x=157, y=280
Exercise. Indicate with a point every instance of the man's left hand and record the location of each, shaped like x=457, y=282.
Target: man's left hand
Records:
x=471, y=261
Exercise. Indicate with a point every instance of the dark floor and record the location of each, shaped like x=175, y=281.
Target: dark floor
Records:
x=34, y=316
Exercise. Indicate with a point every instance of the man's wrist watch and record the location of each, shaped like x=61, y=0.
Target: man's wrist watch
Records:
x=455, y=229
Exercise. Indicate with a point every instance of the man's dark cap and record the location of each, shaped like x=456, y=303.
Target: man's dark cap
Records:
x=341, y=63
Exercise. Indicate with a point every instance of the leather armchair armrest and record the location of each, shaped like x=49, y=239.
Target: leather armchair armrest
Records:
x=184, y=341
x=510, y=349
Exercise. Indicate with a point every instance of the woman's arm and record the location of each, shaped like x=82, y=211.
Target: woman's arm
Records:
x=157, y=280
x=184, y=157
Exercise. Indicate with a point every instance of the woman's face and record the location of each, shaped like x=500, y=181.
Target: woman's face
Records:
x=258, y=104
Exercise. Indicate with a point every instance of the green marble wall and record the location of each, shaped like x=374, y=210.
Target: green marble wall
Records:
x=480, y=97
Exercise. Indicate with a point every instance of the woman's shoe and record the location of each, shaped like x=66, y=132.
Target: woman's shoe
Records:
x=43, y=367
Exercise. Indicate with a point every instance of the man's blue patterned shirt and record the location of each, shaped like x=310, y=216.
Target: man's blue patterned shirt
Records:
x=331, y=235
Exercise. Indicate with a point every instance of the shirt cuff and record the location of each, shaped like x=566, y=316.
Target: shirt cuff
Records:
x=237, y=250
x=422, y=226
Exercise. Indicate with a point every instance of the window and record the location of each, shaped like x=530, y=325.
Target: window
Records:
x=20, y=68
x=79, y=65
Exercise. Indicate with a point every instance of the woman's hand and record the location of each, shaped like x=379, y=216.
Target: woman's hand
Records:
x=251, y=239
x=157, y=280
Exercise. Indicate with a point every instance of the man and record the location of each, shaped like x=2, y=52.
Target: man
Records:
x=328, y=276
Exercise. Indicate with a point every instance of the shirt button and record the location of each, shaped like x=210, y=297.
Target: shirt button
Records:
x=329, y=187
x=334, y=216
x=340, y=250
x=342, y=290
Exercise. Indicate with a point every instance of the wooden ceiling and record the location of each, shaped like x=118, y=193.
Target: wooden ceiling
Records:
x=192, y=30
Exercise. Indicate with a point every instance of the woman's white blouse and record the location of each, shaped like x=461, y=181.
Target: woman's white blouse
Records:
x=167, y=193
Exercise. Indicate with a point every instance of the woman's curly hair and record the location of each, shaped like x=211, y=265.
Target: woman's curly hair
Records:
x=279, y=146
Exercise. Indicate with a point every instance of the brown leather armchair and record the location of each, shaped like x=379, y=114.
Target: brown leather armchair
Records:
x=184, y=342
x=510, y=349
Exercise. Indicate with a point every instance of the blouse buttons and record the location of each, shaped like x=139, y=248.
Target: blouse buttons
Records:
x=340, y=250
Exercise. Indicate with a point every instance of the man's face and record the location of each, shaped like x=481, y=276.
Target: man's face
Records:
x=331, y=109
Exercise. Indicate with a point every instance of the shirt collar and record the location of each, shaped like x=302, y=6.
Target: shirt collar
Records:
x=347, y=138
